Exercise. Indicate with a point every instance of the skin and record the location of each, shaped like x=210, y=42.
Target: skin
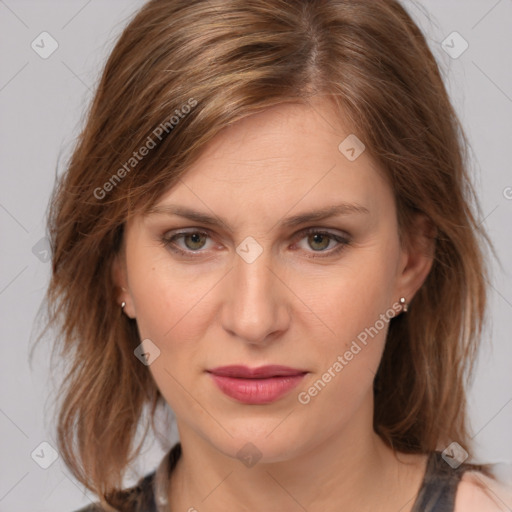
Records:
x=477, y=492
x=286, y=307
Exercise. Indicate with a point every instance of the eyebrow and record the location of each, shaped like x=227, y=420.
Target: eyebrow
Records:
x=295, y=220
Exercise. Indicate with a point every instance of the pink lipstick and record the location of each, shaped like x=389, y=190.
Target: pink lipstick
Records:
x=256, y=386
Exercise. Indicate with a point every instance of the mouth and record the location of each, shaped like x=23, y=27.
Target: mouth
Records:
x=256, y=386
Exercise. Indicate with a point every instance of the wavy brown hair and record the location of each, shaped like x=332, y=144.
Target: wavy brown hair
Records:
x=233, y=58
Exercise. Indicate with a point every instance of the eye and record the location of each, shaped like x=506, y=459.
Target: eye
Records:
x=194, y=241
x=317, y=239
x=320, y=240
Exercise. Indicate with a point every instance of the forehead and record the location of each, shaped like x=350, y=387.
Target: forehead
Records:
x=288, y=137
x=285, y=158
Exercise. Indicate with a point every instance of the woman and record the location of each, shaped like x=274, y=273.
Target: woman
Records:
x=267, y=224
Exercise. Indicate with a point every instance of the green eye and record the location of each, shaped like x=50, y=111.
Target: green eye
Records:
x=321, y=239
x=197, y=240
x=318, y=241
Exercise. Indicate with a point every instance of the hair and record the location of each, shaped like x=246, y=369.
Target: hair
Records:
x=210, y=63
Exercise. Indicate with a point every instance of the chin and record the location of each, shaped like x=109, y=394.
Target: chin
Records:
x=261, y=441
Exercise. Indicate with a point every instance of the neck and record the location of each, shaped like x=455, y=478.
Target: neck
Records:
x=352, y=468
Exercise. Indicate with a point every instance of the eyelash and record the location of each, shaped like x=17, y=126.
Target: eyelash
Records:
x=168, y=242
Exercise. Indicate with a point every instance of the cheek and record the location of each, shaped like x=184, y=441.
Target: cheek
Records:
x=171, y=301
x=173, y=309
x=358, y=310
x=356, y=303
x=177, y=301
x=353, y=298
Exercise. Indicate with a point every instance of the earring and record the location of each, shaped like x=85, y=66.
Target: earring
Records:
x=404, y=304
x=123, y=304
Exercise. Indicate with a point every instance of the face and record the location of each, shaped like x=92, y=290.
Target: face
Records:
x=261, y=284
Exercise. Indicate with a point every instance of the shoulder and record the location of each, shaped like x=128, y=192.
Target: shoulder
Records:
x=477, y=492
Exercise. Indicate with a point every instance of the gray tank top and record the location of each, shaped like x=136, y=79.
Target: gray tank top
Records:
x=437, y=492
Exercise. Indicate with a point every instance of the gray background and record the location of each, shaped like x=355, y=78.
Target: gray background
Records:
x=42, y=102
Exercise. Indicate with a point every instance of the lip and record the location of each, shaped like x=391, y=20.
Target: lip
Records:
x=261, y=385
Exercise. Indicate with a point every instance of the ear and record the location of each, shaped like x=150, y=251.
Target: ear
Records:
x=120, y=279
x=417, y=256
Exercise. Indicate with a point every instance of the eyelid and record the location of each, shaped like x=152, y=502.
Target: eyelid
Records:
x=340, y=237
x=342, y=241
x=168, y=240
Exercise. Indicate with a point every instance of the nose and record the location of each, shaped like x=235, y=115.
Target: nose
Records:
x=256, y=309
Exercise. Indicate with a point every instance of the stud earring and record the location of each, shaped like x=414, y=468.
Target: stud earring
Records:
x=123, y=304
x=404, y=304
